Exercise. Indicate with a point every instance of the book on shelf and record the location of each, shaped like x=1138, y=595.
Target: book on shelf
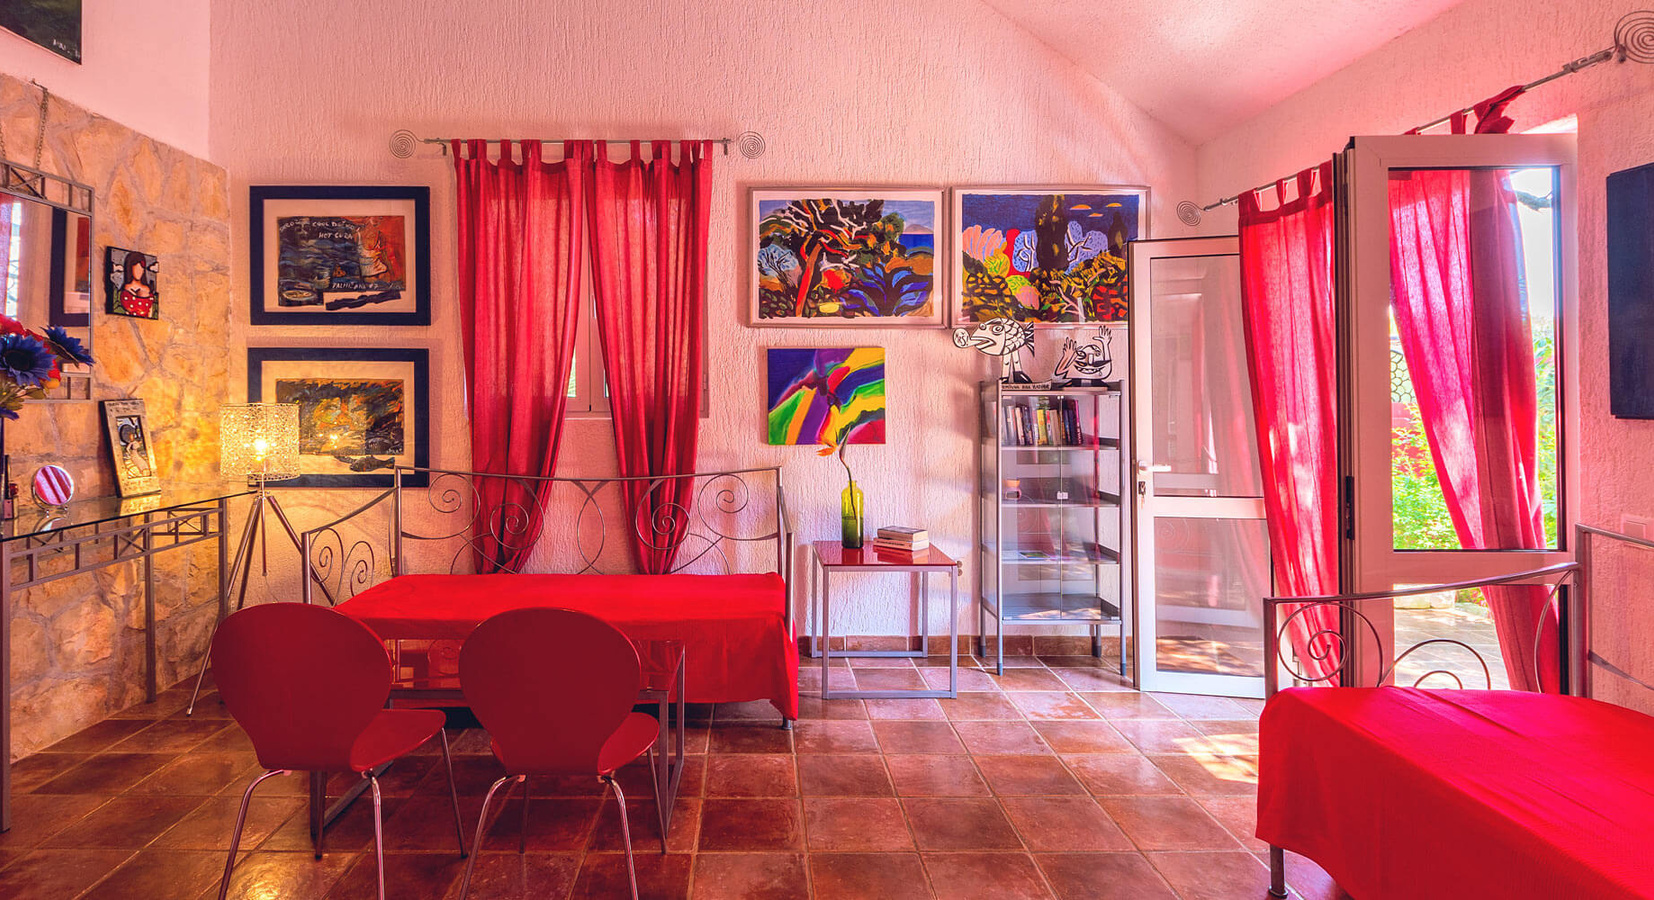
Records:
x=1026, y=417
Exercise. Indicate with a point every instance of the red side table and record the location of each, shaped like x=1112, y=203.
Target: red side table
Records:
x=830, y=557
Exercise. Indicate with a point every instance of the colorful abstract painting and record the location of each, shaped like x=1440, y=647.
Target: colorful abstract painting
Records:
x=1045, y=254
x=340, y=255
x=816, y=395
x=340, y=262
x=845, y=257
x=362, y=411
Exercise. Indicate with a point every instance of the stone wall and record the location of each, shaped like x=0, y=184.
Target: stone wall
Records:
x=77, y=644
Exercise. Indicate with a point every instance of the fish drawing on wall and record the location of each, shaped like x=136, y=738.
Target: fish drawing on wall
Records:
x=340, y=262
x=817, y=395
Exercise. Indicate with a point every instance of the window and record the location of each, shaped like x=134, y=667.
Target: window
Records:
x=588, y=390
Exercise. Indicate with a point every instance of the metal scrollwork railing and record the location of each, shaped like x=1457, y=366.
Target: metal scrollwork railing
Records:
x=696, y=521
x=1330, y=646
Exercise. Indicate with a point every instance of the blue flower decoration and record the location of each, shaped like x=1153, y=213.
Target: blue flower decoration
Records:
x=67, y=345
x=1025, y=252
x=25, y=360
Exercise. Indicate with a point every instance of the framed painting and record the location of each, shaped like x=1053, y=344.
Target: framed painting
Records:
x=130, y=278
x=130, y=449
x=361, y=411
x=53, y=24
x=1044, y=254
x=816, y=395
x=1631, y=293
x=340, y=255
x=845, y=257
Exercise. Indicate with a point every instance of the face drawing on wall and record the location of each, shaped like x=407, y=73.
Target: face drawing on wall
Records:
x=134, y=454
x=1088, y=364
x=1003, y=338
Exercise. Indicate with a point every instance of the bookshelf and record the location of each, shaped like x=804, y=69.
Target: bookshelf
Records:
x=1053, y=528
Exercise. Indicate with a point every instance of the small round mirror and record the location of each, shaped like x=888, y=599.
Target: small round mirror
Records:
x=52, y=487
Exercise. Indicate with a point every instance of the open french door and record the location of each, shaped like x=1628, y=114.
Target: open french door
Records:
x=1401, y=526
x=1202, y=548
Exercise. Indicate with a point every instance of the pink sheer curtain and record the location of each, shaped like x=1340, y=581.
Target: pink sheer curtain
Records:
x=519, y=291
x=1461, y=312
x=1286, y=256
x=649, y=221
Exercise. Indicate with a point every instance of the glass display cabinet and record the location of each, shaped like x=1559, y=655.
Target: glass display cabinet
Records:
x=1050, y=472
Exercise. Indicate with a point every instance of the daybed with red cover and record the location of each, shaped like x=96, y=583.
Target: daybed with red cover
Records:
x=1419, y=794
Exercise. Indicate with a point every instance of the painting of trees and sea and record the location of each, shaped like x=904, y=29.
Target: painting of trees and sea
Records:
x=845, y=257
x=1045, y=254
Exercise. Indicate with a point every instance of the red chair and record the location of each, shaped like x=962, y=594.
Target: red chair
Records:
x=309, y=686
x=555, y=690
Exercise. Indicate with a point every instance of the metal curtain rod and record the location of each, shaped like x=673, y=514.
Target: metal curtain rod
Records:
x=1633, y=40
x=750, y=143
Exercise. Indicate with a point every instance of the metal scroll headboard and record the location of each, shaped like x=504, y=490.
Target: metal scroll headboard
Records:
x=717, y=522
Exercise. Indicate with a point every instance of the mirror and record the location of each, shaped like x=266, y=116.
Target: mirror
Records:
x=52, y=487
x=46, y=259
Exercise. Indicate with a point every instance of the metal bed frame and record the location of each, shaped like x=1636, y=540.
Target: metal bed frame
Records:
x=1344, y=644
x=725, y=511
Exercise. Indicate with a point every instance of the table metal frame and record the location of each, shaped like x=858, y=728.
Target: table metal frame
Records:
x=920, y=574
x=666, y=773
x=91, y=546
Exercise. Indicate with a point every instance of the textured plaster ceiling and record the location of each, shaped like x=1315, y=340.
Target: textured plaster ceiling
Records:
x=1203, y=66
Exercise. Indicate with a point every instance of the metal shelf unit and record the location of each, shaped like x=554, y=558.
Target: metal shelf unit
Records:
x=1053, y=549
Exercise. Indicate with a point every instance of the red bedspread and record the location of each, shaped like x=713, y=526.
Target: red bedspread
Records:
x=736, y=640
x=1400, y=792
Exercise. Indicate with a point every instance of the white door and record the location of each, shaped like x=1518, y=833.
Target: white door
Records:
x=1398, y=526
x=1202, y=546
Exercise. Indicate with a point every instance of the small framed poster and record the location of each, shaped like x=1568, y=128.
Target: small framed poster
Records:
x=340, y=255
x=362, y=412
x=129, y=446
x=129, y=276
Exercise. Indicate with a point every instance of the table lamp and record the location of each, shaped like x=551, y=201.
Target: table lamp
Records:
x=258, y=442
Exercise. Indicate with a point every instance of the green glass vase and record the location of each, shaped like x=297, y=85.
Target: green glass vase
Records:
x=850, y=511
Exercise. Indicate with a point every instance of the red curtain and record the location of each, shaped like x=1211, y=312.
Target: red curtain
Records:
x=1461, y=312
x=1286, y=258
x=649, y=231
x=519, y=288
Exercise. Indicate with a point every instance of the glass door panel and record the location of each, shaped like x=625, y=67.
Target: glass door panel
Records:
x=1202, y=543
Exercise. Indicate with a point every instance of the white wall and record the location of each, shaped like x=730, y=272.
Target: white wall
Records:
x=1465, y=55
x=144, y=64
x=848, y=92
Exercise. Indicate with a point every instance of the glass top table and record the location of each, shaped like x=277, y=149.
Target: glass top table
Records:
x=33, y=521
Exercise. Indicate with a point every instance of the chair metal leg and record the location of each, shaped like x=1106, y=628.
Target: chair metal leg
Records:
x=625, y=832
x=240, y=822
x=482, y=823
x=453, y=793
x=378, y=831
x=1277, y=871
x=522, y=833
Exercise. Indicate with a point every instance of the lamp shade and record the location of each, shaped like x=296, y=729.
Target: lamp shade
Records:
x=259, y=441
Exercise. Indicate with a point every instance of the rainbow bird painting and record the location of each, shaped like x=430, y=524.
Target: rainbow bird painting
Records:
x=820, y=395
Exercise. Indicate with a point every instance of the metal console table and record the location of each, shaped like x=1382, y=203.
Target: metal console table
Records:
x=40, y=546
x=831, y=557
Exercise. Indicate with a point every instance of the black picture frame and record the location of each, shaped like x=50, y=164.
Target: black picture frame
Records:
x=1631, y=293
x=258, y=357
x=259, y=195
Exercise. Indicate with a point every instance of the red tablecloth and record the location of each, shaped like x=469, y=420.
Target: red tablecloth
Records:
x=732, y=626
x=1418, y=794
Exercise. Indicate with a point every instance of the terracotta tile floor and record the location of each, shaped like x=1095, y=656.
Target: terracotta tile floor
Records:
x=1056, y=781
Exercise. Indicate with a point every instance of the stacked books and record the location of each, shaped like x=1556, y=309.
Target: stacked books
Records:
x=901, y=540
x=1043, y=422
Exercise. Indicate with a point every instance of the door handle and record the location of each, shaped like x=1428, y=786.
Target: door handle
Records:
x=1151, y=467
